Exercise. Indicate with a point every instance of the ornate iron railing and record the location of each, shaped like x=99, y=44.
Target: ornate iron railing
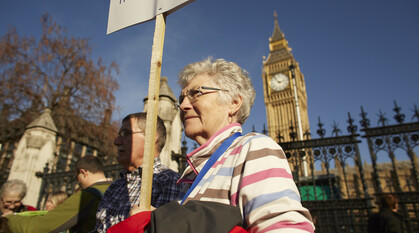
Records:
x=339, y=191
x=338, y=188
x=55, y=181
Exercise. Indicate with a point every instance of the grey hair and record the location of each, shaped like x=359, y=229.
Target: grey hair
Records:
x=227, y=75
x=14, y=185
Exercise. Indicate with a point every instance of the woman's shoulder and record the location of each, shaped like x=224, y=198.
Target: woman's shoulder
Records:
x=259, y=145
x=256, y=138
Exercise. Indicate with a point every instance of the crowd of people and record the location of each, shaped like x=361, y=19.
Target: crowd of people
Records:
x=234, y=181
x=77, y=212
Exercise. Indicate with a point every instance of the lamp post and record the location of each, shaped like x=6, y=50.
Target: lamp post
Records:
x=297, y=108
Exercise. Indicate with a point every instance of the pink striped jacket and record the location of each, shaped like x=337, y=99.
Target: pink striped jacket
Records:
x=253, y=173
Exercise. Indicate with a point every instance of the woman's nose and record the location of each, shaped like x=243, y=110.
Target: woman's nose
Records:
x=185, y=104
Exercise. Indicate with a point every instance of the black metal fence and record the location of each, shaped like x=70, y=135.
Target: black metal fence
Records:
x=340, y=190
x=56, y=181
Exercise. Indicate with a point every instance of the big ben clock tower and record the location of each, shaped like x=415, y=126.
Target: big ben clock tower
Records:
x=284, y=90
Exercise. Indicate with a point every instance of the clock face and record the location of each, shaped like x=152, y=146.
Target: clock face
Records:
x=279, y=82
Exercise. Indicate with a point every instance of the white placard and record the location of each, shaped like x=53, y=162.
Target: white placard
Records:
x=125, y=13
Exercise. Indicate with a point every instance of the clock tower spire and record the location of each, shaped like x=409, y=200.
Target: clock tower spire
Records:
x=285, y=93
x=277, y=34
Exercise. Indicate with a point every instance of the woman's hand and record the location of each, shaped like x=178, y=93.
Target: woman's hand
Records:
x=137, y=209
x=6, y=212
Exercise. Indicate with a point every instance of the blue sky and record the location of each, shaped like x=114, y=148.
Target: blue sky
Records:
x=352, y=53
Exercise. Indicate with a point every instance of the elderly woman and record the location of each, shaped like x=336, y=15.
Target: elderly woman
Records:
x=249, y=171
x=12, y=193
x=253, y=172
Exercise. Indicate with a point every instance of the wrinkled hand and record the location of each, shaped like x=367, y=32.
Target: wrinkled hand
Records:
x=137, y=209
x=6, y=212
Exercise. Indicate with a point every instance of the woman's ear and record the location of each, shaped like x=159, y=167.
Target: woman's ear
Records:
x=236, y=105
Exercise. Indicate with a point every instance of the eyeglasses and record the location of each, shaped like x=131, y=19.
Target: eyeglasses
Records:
x=196, y=92
x=124, y=133
x=9, y=203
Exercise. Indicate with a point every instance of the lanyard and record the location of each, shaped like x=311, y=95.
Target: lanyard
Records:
x=214, y=157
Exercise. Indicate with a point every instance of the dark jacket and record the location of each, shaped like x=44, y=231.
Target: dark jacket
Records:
x=194, y=216
x=385, y=221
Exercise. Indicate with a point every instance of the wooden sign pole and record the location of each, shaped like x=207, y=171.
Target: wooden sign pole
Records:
x=152, y=111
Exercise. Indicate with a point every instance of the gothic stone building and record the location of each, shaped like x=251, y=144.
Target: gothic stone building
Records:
x=58, y=141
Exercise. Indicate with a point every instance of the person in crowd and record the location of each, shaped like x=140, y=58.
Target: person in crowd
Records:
x=387, y=220
x=54, y=199
x=250, y=172
x=124, y=193
x=78, y=212
x=12, y=193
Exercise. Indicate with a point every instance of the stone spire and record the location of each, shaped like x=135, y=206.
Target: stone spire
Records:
x=44, y=121
x=277, y=34
x=278, y=45
x=171, y=117
x=165, y=89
